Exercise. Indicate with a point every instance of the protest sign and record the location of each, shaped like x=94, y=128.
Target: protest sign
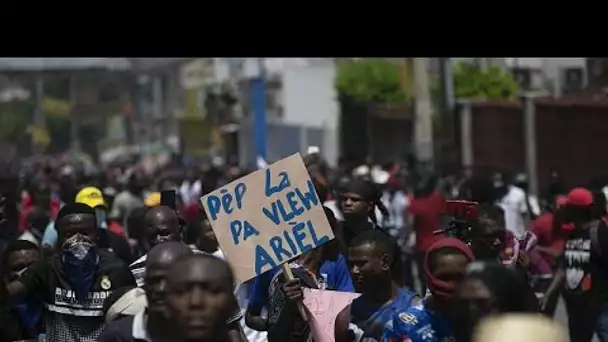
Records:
x=323, y=308
x=268, y=217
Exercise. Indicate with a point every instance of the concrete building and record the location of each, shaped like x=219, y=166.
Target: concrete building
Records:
x=302, y=108
x=301, y=104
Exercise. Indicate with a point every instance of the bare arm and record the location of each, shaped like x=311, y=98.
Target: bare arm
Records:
x=254, y=320
x=555, y=287
x=341, y=325
x=235, y=333
x=554, y=252
x=32, y=281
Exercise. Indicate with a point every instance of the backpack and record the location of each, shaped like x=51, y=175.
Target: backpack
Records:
x=594, y=235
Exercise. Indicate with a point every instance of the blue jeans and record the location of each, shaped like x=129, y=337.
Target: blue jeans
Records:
x=601, y=328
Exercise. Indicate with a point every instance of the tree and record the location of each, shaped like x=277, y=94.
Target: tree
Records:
x=492, y=83
x=15, y=117
x=370, y=80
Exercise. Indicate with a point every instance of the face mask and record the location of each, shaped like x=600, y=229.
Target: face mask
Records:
x=78, y=246
x=80, y=263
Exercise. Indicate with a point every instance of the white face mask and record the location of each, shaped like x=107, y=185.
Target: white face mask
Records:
x=78, y=245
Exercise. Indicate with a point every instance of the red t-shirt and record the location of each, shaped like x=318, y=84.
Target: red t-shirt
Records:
x=542, y=227
x=28, y=206
x=427, y=216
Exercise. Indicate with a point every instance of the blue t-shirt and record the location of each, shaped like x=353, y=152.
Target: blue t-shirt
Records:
x=50, y=235
x=371, y=320
x=335, y=274
x=417, y=324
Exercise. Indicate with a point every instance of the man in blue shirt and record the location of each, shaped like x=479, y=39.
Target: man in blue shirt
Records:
x=334, y=273
x=370, y=258
x=272, y=291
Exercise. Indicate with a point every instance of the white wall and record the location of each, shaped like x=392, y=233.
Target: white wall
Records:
x=310, y=100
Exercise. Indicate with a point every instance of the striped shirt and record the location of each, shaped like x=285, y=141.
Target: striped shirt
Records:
x=138, y=267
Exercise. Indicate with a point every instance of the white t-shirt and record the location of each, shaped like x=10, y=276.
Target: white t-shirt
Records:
x=396, y=205
x=333, y=206
x=190, y=192
x=241, y=292
x=514, y=206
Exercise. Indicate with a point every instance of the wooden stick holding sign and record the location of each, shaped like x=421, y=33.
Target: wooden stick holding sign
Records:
x=267, y=218
x=289, y=276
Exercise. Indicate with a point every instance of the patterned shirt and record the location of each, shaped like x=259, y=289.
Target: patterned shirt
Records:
x=370, y=321
x=418, y=324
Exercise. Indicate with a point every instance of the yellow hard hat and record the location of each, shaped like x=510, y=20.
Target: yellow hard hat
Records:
x=91, y=196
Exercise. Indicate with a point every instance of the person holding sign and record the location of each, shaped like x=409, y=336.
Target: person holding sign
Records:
x=370, y=258
x=279, y=295
x=267, y=218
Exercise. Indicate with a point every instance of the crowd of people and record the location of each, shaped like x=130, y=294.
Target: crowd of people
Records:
x=111, y=257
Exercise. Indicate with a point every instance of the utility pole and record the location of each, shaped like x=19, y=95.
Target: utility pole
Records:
x=447, y=80
x=530, y=139
x=39, y=118
x=74, y=128
x=423, y=119
x=258, y=93
x=160, y=121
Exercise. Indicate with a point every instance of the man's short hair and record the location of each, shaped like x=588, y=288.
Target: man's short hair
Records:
x=15, y=246
x=380, y=241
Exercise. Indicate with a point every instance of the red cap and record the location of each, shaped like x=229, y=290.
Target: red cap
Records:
x=580, y=197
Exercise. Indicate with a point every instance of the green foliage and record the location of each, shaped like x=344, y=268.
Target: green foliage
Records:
x=492, y=83
x=370, y=80
x=15, y=117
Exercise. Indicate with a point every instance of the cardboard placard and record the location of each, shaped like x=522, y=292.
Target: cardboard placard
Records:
x=268, y=217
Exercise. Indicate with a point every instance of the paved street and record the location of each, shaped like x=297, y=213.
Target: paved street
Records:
x=562, y=317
